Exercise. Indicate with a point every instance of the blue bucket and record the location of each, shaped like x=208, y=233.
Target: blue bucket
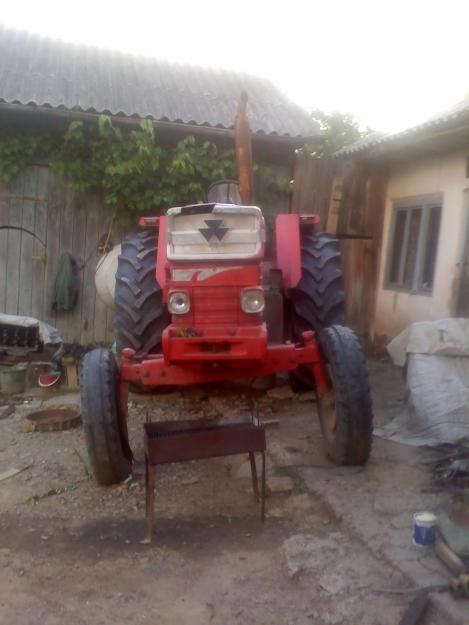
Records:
x=424, y=529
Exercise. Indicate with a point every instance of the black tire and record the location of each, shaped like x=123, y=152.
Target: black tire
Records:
x=140, y=314
x=104, y=424
x=318, y=300
x=345, y=413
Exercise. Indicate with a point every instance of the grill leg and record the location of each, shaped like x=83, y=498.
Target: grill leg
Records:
x=263, y=489
x=255, y=485
x=150, y=471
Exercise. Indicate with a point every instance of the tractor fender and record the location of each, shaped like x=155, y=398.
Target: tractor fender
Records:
x=288, y=244
x=288, y=247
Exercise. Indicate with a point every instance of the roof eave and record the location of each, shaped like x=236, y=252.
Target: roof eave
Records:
x=196, y=129
x=449, y=134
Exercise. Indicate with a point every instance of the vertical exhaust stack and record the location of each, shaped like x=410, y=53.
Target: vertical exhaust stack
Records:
x=243, y=150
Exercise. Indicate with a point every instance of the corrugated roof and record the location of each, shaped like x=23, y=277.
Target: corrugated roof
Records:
x=457, y=112
x=35, y=70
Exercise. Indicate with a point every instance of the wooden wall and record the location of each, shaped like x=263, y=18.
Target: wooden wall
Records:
x=349, y=198
x=312, y=186
x=65, y=221
x=362, y=189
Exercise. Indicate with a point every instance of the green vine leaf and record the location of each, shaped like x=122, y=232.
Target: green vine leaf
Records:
x=133, y=171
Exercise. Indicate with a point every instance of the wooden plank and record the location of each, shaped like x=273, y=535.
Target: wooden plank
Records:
x=80, y=207
x=27, y=242
x=374, y=223
x=55, y=202
x=353, y=209
x=334, y=204
x=89, y=290
x=4, y=221
x=361, y=214
x=14, y=246
x=313, y=178
x=39, y=251
x=63, y=319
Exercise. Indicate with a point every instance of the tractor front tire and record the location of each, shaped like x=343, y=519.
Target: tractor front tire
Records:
x=140, y=313
x=318, y=300
x=345, y=413
x=104, y=421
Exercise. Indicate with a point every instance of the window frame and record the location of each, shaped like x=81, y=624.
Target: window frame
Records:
x=425, y=203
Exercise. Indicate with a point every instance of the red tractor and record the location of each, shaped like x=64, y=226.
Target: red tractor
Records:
x=199, y=300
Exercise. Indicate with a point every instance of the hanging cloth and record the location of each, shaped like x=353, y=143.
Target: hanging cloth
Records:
x=66, y=284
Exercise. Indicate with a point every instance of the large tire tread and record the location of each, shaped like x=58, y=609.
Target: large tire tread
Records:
x=353, y=440
x=99, y=411
x=318, y=300
x=140, y=314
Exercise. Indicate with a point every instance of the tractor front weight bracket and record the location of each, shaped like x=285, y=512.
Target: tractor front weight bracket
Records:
x=152, y=369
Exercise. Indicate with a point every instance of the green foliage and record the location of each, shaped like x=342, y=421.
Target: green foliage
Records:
x=275, y=184
x=340, y=129
x=16, y=150
x=133, y=171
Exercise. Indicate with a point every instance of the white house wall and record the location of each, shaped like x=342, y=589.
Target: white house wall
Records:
x=445, y=174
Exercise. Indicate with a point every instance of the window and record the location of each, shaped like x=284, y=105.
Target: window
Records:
x=414, y=241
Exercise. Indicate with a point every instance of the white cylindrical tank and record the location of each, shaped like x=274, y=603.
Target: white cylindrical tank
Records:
x=105, y=276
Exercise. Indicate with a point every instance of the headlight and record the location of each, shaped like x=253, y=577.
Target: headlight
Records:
x=252, y=300
x=179, y=302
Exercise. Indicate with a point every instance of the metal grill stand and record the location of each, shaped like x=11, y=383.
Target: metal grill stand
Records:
x=180, y=441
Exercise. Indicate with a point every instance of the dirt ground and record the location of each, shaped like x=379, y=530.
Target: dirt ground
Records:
x=70, y=551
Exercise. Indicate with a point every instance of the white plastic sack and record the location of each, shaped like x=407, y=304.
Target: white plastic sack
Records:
x=436, y=409
x=445, y=337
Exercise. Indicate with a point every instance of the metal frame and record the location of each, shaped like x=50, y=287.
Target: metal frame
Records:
x=179, y=441
x=408, y=205
x=462, y=303
x=158, y=370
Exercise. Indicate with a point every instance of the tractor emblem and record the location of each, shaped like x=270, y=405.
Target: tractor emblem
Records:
x=213, y=229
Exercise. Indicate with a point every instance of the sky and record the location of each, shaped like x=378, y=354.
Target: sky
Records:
x=391, y=63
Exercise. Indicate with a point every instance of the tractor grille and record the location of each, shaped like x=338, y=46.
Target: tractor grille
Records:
x=220, y=231
x=217, y=305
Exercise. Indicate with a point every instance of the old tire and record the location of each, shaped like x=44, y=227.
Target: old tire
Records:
x=103, y=419
x=318, y=300
x=345, y=413
x=140, y=314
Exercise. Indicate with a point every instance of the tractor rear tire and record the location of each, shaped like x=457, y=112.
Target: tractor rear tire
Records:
x=345, y=413
x=140, y=313
x=104, y=421
x=318, y=300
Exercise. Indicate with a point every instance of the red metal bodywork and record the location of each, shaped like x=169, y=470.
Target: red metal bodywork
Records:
x=288, y=246
x=153, y=370
x=216, y=341
x=214, y=291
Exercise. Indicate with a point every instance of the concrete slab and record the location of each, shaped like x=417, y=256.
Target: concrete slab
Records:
x=379, y=513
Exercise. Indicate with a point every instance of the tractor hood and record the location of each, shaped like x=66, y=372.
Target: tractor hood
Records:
x=215, y=231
